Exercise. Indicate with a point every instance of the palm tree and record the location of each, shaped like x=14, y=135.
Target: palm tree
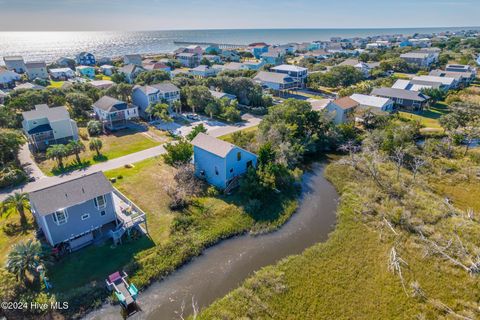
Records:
x=96, y=145
x=159, y=111
x=58, y=152
x=24, y=258
x=76, y=147
x=177, y=105
x=16, y=202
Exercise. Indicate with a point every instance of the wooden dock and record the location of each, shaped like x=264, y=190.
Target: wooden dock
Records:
x=206, y=44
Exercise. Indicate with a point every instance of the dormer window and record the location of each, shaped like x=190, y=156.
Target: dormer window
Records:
x=60, y=217
x=100, y=202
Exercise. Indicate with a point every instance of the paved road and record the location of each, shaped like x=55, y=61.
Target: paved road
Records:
x=43, y=181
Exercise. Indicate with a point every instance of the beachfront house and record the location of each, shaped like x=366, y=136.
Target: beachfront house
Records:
x=8, y=78
x=79, y=211
x=85, y=59
x=135, y=59
x=143, y=96
x=130, y=72
x=85, y=71
x=61, y=73
x=45, y=126
x=113, y=113
x=15, y=64
x=275, y=81
x=36, y=69
x=299, y=74
x=212, y=58
x=189, y=59
x=408, y=99
x=375, y=104
x=342, y=109
x=220, y=163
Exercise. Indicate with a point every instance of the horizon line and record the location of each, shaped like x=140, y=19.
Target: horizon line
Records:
x=263, y=28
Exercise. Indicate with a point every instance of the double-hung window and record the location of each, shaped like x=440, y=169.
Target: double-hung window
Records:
x=60, y=217
x=100, y=202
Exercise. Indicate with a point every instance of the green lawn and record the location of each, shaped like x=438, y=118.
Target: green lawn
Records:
x=56, y=84
x=115, y=145
x=228, y=137
x=11, y=232
x=428, y=118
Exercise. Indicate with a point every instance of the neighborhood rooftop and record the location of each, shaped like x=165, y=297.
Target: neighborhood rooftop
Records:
x=69, y=193
x=400, y=93
x=213, y=145
x=43, y=111
x=109, y=104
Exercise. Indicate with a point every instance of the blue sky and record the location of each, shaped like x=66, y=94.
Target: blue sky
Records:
x=32, y=15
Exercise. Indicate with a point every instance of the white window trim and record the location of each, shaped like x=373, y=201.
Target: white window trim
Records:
x=85, y=216
x=104, y=202
x=55, y=217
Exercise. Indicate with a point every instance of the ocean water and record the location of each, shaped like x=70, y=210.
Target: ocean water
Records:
x=51, y=45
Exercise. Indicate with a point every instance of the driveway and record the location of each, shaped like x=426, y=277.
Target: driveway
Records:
x=43, y=181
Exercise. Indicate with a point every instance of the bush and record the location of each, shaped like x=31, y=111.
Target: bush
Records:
x=94, y=128
x=11, y=176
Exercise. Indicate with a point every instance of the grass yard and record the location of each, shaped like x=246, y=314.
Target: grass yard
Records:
x=428, y=118
x=228, y=137
x=115, y=145
x=11, y=232
x=348, y=277
x=56, y=84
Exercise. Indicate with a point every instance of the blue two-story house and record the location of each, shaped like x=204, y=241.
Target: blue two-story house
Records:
x=144, y=96
x=85, y=59
x=79, y=211
x=75, y=211
x=220, y=162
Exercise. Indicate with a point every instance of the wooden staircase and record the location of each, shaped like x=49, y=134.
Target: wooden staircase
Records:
x=232, y=185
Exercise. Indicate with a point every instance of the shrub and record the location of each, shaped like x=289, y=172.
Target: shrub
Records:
x=94, y=128
x=10, y=176
x=212, y=191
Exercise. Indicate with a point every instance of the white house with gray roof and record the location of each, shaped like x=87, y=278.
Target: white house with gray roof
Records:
x=45, y=126
x=113, y=113
x=220, y=162
x=130, y=71
x=143, y=96
x=374, y=103
x=8, y=78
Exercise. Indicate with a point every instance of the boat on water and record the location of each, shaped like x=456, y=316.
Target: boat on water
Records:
x=125, y=292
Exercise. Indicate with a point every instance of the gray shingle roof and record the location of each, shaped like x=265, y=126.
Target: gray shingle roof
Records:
x=70, y=193
x=165, y=87
x=273, y=77
x=213, y=145
x=400, y=93
x=43, y=111
x=110, y=104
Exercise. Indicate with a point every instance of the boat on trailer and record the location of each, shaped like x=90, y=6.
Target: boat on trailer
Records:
x=125, y=292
